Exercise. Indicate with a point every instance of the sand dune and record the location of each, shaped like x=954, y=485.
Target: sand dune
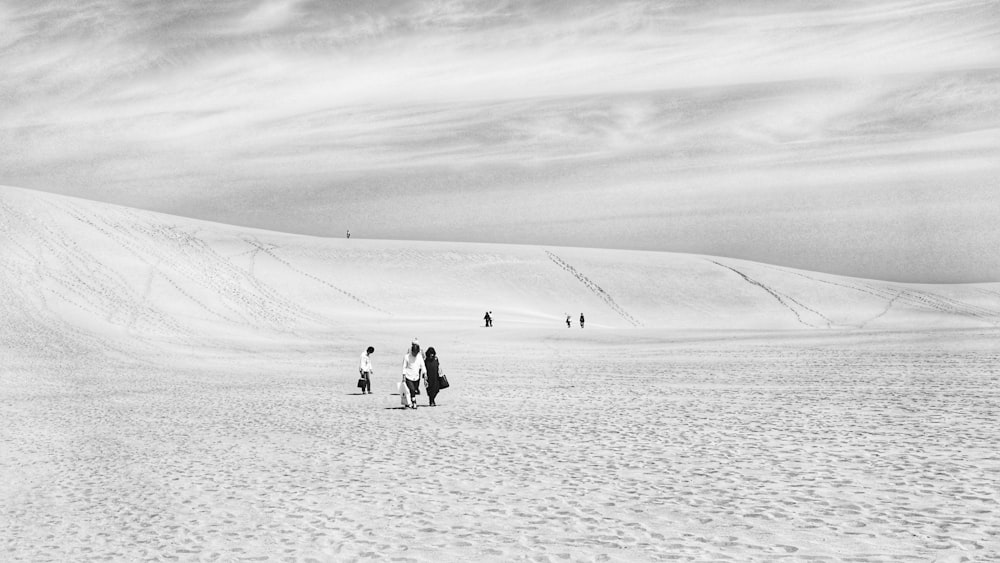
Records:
x=174, y=389
x=146, y=274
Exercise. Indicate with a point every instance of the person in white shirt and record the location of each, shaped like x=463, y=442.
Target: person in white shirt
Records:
x=413, y=370
x=366, y=369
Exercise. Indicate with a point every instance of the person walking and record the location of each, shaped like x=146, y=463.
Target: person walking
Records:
x=366, y=369
x=413, y=370
x=581, y=320
x=432, y=380
x=568, y=322
x=487, y=320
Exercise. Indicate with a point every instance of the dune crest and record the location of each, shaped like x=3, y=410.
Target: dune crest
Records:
x=111, y=270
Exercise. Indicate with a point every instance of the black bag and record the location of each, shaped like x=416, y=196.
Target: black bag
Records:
x=361, y=383
x=443, y=382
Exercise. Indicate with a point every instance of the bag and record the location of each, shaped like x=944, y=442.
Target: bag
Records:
x=361, y=383
x=404, y=393
x=443, y=382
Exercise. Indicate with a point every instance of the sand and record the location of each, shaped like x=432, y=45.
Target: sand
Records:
x=547, y=447
x=181, y=394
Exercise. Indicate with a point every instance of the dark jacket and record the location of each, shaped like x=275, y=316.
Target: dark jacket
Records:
x=431, y=364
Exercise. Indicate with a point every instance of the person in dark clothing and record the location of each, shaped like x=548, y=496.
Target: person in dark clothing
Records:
x=581, y=320
x=433, y=373
x=568, y=322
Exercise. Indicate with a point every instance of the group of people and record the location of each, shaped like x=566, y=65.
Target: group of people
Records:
x=417, y=366
x=488, y=317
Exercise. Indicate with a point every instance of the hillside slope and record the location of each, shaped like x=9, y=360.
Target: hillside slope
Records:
x=72, y=269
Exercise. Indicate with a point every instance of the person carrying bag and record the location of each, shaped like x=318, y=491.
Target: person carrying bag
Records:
x=413, y=370
x=366, y=370
x=433, y=378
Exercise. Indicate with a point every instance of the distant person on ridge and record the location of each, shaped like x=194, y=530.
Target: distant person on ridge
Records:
x=486, y=319
x=581, y=320
x=367, y=370
x=568, y=322
x=413, y=370
x=348, y=233
x=432, y=381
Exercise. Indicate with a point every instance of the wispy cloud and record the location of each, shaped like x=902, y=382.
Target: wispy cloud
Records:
x=268, y=15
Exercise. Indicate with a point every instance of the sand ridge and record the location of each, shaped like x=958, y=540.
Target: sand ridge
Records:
x=117, y=270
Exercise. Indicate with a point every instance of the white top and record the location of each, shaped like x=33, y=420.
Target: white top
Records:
x=413, y=367
x=366, y=363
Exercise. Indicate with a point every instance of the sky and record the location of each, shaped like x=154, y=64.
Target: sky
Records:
x=852, y=137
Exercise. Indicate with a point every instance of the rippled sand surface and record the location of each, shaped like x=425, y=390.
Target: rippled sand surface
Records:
x=550, y=446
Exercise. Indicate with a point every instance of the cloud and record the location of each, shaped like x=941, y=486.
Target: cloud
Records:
x=268, y=15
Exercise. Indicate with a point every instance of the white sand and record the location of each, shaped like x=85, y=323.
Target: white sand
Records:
x=180, y=390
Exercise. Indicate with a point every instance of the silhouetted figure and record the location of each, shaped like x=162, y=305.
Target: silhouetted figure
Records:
x=348, y=233
x=488, y=318
x=581, y=320
x=432, y=379
x=568, y=322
